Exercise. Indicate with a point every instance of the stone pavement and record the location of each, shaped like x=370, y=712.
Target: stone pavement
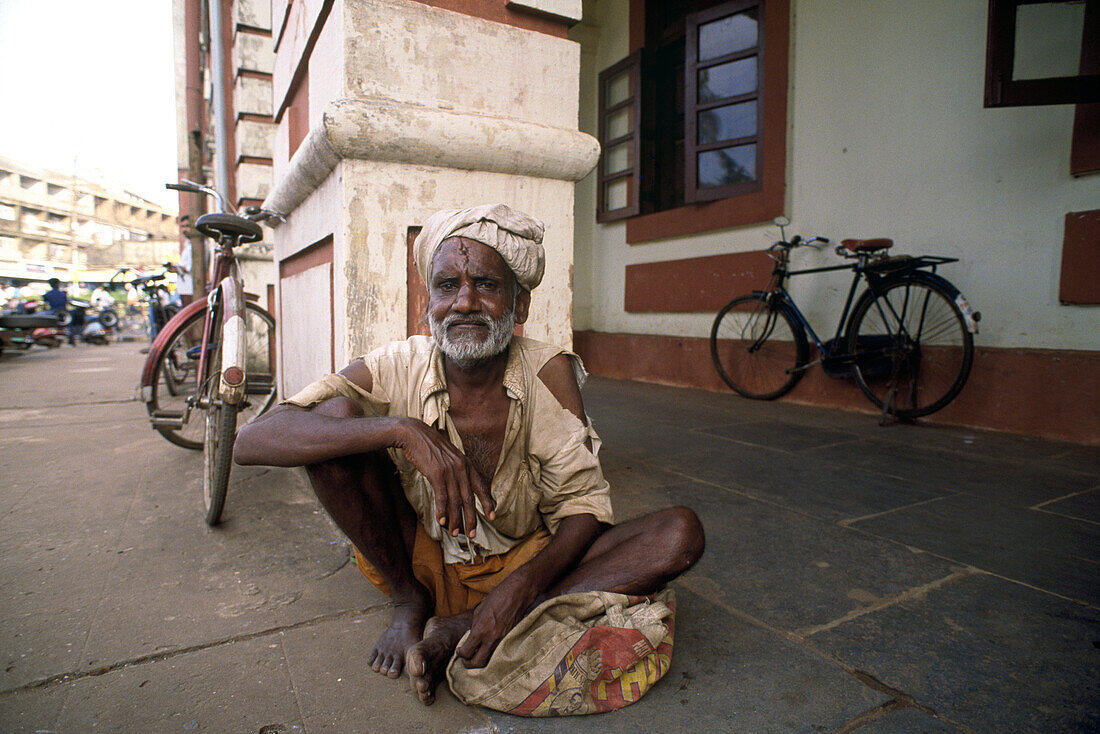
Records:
x=856, y=578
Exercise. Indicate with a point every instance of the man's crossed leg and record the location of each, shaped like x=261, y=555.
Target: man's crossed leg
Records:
x=363, y=495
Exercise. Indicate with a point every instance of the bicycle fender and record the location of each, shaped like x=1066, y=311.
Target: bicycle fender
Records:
x=970, y=316
x=231, y=371
x=163, y=337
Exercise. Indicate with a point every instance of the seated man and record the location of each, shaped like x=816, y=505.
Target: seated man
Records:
x=462, y=467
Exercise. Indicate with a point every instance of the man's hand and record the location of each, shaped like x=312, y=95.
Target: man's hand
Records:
x=531, y=583
x=454, y=481
x=495, y=616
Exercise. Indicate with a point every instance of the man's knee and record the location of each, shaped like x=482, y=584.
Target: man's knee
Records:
x=339, y=407
x=681, y=529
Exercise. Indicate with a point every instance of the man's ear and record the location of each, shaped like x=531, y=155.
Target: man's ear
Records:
x=523, y=305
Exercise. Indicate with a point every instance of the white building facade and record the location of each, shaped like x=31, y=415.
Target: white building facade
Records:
x=854, y=118
x=871, y=124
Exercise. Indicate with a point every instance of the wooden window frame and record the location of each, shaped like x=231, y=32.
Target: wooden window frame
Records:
x=749, y=208
x=631, y=65
x=1001, y=90
x=692, y=107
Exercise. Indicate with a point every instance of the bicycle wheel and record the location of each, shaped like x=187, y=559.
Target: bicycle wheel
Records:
x=175, y=379
x=758, y=349
x=178, y=366
x=912, y=350
x=221, y=429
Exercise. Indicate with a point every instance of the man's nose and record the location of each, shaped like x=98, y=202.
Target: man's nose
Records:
x=465, y=300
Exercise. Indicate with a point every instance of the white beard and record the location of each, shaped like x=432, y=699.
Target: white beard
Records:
x=468, y=352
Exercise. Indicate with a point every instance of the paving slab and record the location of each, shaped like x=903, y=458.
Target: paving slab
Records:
x=33, y=711
x=777, y=434
x=727, y=675
x=792, y=571
x=997, y=480
x=1079, y=506
x=832, y=491
x=237, y=687
x=994, y=445
x=338, y=692
x=908, y=721
x=232, y=584
x=1052, y=552
x=983, y=652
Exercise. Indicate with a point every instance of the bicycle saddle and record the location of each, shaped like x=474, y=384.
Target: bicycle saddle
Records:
x=878, y=243
x=216, y=226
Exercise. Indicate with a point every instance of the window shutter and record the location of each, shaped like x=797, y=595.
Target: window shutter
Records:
x=723, y=107
x=619, y=174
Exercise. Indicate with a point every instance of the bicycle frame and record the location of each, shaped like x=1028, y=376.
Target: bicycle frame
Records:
x=230, y=298
x=863, y=269
x=228, y=293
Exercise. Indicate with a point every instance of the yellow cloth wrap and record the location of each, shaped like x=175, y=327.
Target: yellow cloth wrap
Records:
x=457, y=587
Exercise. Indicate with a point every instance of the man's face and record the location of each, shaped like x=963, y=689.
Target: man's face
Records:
x=473, y=302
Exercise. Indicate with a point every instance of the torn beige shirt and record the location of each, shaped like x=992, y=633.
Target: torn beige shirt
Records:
x=545, y=472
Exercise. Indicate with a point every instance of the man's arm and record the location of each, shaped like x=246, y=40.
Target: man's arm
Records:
x=292, y=436
x=525, y=587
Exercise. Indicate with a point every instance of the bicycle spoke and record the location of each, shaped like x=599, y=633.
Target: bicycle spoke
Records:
x=929, y=350
x=757, y=349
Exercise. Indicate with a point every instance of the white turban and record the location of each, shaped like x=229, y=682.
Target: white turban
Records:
x=515, y=235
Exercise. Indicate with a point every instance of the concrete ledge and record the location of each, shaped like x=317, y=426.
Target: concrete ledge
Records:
x=387, y=131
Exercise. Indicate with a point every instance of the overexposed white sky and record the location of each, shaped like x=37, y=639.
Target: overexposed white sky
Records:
x=87, y=87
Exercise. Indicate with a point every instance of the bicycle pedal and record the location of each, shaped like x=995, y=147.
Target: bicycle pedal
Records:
x=167, y=419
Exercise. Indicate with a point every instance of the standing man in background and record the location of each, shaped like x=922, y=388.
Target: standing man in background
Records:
x=58, y=301
x=185, y=282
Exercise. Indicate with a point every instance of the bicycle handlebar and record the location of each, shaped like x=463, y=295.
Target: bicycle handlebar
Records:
x=197, y=188
x=797, y=241
x=252, y=213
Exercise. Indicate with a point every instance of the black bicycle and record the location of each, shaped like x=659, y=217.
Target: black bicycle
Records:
x=907, y=340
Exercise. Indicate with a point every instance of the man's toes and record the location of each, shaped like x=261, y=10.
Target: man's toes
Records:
x=395, y=668
x=424, y=690
x=414, y=663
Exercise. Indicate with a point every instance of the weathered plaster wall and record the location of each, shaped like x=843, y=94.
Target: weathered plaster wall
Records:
x=887, y=137
x=404, y=122
x=383, y=200
x=417, y=54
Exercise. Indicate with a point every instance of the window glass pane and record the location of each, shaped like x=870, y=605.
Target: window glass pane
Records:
x=619, y=158
x=727, y=80
x=618, y=89
x=726, y=123
x=615, y=194
x=727, y=35
x=1048, y=40
x=619, y=123
x=727, y=166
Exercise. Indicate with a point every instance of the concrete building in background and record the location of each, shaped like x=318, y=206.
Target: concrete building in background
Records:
x=53, y=225
x=854, y=119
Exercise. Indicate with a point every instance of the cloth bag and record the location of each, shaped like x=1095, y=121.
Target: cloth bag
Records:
x=582, y=653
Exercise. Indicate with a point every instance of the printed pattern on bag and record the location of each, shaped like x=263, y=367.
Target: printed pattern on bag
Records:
x=606, y=669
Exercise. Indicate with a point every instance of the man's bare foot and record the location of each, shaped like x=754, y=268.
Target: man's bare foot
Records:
x=388, y=655
x=426, y=659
